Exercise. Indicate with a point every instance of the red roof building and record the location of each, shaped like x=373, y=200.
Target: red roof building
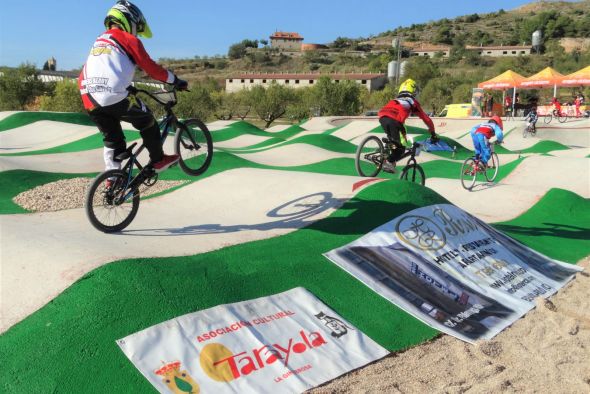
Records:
x=286, y=41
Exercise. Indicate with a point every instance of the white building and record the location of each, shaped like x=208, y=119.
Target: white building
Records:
x=498, y=51
x=236, y=83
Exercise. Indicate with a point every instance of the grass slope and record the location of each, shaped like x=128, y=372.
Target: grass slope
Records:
x=24, y=118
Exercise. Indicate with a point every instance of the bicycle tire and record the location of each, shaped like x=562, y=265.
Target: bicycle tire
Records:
x=491, y=171
x=191, y=137
x=468, y=173
x=105, y=200
x=562, y=118
x=547, y=118
x=368, y=164
x=525, y=132
x=413, y=173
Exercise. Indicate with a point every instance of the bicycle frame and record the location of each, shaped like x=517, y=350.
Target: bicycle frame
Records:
x=165, y=126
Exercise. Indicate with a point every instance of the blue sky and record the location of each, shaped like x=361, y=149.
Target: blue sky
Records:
x=33, y=31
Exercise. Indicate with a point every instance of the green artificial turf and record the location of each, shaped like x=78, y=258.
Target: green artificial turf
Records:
x=71, y=341
x=93, y=141
x=324, y=141
x=24, y=118
x=558, y=223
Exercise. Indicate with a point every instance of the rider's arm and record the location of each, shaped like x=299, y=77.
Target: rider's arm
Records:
x=425, y=118
x=499, y=134
x=137, y=53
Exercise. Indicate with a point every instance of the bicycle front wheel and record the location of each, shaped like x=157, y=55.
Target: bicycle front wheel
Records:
x=525, y=132
x=369, y=157
x=468, y=173
x=106, y=208
x=548, y=118
x=413, y=173
x=493, y=168
x=194, y=145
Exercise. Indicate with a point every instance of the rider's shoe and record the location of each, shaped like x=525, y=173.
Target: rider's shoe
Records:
x=167, y=161
x=389, y=167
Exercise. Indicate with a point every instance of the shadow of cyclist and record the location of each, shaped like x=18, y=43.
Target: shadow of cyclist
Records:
x=292, y=214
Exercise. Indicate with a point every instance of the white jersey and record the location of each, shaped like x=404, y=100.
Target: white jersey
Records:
x=110, y=69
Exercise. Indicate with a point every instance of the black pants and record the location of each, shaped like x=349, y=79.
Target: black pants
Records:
x=109, y=118
x=393, y=128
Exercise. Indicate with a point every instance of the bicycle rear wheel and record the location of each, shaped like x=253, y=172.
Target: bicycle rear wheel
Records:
x=104, y=206
x=369, y=157
x=562, y=118
x=413, y=173
x=194, y=145
x=493, y=167
x=468, y=173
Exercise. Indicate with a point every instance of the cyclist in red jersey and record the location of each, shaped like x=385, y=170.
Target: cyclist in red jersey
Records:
x=393, y=116
x=104, y=79
x=556, y=104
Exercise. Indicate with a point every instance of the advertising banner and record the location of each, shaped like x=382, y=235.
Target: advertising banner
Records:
x=452, y=271
x=284, y=343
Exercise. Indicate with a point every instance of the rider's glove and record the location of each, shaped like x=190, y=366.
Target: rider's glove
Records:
x=180, y=84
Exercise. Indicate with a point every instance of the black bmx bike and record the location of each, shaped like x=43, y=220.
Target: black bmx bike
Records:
x=373, y=151
x=112, y=200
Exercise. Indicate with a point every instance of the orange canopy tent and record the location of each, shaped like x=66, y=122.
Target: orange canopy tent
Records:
x=506, y=80
x=579, y=78
x=543, y=79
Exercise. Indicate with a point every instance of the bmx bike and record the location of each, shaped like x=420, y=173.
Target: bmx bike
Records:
x=372, y=153
x=529, y=129
x=473, y=168
x=112, y=200
x=561, y=116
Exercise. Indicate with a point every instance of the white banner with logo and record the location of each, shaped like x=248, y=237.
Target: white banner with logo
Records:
x=284, y=343
x=452, y=271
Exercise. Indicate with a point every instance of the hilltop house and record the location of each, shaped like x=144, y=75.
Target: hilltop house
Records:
x=286, y=41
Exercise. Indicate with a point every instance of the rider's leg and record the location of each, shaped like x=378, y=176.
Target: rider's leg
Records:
x=484, y=145
x=476, y=147
x=392, y=129
x=113, y=137
x=142, y=119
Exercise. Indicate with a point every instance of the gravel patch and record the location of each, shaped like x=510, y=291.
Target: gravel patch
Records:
x=70, y=193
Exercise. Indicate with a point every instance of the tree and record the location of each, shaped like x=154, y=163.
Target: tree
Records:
x=198, y=103
x=336, y=98
x=270, y=103
x=19, y=86
x=66, y=98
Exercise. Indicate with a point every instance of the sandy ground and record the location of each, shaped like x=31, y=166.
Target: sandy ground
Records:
x=547, y=351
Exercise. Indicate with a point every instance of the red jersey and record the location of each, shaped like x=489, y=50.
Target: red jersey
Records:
x=402, y=107
x=110, y=68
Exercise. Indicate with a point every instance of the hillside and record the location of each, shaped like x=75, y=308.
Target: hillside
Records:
x=566, y=23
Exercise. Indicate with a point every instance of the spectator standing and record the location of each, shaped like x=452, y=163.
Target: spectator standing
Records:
x=490, y=107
